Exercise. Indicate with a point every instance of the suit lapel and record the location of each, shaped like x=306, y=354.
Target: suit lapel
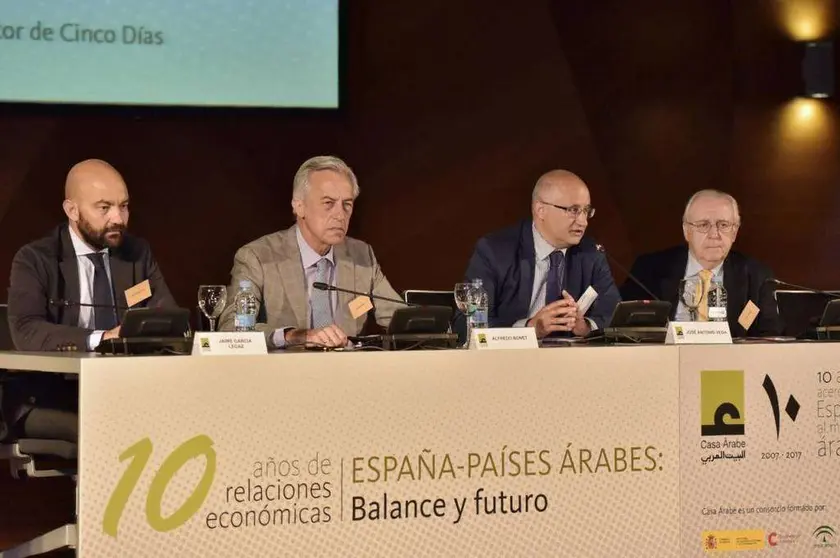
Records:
x=574, y=273
x=122, y=278
x=291, y=273
x=345, y=279
x=670, y=285
x=736, y=294
x=527, y=262
x=69, y=269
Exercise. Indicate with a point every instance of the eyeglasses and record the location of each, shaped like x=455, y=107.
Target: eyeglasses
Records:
x=704, y=227
x=574, y=210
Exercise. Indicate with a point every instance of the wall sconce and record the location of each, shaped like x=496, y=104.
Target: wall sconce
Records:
x=818, y=69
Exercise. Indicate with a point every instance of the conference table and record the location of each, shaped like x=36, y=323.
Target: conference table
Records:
x=653, y=450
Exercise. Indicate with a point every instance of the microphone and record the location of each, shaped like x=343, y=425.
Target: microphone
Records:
x=324, y=287
x=781, y=283
x=600, y=248
x=65, y=303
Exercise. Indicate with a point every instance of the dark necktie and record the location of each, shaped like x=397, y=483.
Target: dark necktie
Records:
x=104, y=315
x=556, y=276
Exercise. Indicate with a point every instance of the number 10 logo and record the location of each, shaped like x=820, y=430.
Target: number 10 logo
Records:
x=140, y=453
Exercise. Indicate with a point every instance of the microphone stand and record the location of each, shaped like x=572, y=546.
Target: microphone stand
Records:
x=324, y=287
x=600, y=248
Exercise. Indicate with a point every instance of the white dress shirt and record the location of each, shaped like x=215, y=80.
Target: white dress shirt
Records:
x=692, y=268
x=86, y=271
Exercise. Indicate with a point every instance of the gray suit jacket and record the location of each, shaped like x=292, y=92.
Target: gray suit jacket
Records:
x=273, y=265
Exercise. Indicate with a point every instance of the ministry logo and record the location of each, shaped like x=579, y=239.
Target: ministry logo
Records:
x=722, y=402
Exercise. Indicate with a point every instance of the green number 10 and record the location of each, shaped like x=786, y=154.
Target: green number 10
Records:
x=140, y=453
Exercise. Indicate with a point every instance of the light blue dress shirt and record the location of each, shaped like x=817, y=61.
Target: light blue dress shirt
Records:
x=309, y=258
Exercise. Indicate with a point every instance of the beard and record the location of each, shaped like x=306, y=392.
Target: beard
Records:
x=106, y=237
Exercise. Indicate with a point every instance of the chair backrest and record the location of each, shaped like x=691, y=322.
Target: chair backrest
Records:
x=6, y=343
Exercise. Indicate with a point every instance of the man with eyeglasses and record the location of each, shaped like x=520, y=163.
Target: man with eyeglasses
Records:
x=710, y=225
x=535, y=271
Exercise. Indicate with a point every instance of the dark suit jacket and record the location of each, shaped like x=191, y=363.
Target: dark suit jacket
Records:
x=505, y=261
x=47, y=269
x=743, y=278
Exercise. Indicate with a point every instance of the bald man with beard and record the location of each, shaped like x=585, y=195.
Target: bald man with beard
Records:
x=90, y=260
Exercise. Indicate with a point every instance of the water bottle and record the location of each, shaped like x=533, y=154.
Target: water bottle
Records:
x=245, y=306
x=717, y=300
x=479, y=302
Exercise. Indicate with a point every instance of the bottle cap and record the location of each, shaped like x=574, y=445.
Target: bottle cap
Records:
x=245, y=284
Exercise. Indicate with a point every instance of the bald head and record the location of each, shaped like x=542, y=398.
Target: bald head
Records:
x=556, y=180
x=554, y=191
x=96, y=203
x=92, y=174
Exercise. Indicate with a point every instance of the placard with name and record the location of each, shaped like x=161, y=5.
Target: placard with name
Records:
x=698, y=333
x=229, y=343
x=504, y=338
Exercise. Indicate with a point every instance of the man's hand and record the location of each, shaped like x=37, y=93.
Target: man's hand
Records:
x=330, y=336
x=560, y=315
x=111, y=333
x=581, y=328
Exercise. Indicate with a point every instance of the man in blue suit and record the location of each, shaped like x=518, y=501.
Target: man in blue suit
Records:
x=535, y=271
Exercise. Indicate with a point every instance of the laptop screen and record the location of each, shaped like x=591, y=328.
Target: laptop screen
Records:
x=800, y=310
x=431, y=298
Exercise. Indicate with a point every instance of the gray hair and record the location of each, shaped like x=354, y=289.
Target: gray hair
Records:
x=712, y=194
x=322, y=163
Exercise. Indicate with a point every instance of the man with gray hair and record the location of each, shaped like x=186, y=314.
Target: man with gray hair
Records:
x=710, y=225
x=283, y=266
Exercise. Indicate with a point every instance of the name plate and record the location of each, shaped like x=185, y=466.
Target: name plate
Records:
x=698, y=333
x=504, y=338
x=229, y=343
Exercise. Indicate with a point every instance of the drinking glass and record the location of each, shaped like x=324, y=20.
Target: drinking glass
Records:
x=211, y=301
x=463, y=297
x=691, y=295
x=465, y=301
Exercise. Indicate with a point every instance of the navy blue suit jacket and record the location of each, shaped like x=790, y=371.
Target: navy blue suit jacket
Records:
x=504, y=261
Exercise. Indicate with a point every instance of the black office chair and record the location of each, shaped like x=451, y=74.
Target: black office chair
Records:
x=34, y=458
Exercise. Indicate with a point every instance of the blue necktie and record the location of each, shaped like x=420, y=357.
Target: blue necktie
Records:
x=321, y=303
x=556, y=276
x=103, y=310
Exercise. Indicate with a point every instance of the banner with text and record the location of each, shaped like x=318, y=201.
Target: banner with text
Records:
x=760, y=449
x=567, y=452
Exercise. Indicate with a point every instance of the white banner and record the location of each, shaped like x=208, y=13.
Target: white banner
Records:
x=760, y=449
x=552, y=452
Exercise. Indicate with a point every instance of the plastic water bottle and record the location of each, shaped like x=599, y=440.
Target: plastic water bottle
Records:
x=717, y=300
x=245, y=305
x=479, y=301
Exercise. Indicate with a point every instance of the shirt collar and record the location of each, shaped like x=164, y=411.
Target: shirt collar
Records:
x=693, y=267
x=308, y=256
x=79, y=245
x=542, y=249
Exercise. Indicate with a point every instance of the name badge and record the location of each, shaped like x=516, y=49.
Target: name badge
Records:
x=504, y=338
x=698, y=333
x=138, y=293
x=207, y=343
